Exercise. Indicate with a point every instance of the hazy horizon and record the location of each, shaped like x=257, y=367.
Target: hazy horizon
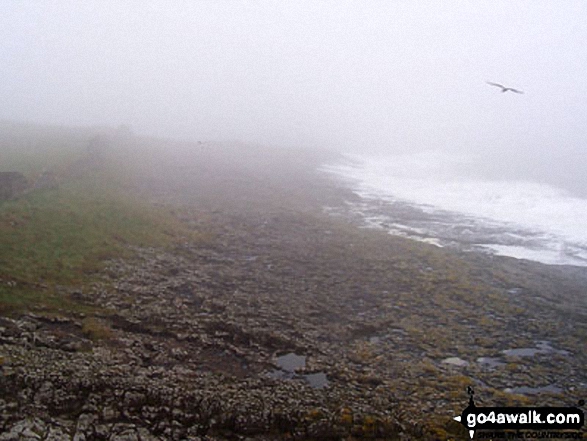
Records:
x=370, y=77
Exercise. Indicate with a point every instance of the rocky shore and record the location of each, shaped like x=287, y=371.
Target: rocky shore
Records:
x=189, y=342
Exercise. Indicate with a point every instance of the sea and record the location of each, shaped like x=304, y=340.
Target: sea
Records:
x=434, y=197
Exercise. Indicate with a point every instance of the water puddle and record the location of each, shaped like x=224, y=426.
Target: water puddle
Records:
x=290, y=363
x=490, y=362
x=525, y=390
x=542, y=347
x=522, y=352
x=317, y=380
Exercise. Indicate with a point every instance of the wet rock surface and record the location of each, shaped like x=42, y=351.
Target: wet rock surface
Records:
x=187, y=337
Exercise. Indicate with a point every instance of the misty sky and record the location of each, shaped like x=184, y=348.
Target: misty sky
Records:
x=389, y=76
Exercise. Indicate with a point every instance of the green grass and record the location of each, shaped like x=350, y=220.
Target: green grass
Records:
x=61, y=238
x=58, y=235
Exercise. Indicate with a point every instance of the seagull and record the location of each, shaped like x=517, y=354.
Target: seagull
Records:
x=503, y=88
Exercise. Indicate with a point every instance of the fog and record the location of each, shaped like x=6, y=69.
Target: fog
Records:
x=367, y=76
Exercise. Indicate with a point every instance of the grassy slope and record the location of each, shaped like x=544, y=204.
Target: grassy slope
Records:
x=54, y=238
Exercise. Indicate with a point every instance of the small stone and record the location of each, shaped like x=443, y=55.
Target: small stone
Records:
x=456, y=361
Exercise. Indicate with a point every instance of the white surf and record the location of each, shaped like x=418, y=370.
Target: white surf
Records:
x=450, y=206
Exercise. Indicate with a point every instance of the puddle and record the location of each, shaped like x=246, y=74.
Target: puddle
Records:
x=317, y=380
x=490, y=362
x=291, y=362
x=542, y=347
x=523, y=352
x=456, y=361
x=525, y=390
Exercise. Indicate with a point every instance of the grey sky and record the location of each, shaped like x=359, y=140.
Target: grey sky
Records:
x=361, y=75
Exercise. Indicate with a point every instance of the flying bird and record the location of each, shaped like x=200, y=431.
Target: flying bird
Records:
x=503, y=88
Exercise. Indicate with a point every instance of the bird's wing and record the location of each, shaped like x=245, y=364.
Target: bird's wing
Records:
x=516, y=90
x=495, y=84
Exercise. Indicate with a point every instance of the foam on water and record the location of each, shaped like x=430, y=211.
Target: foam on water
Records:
x=520, y=219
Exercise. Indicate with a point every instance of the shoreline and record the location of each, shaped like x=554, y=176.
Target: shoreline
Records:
x=471, y=214
x=194, y=332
